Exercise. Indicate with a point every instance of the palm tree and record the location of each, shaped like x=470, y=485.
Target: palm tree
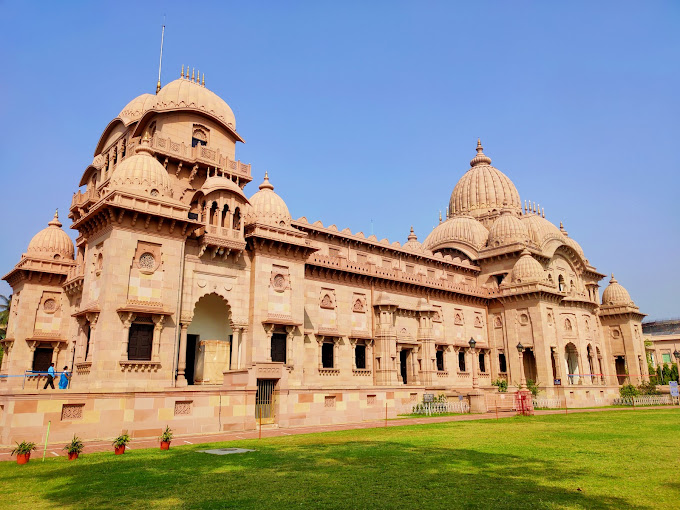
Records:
x=5, y=304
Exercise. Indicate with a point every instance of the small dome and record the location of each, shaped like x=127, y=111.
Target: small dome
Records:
x=412, y=242
x=483, y=189
x=460, y=229
x=507, y=229
x=527, y=270
x=541, y=230
x=267, y=206
x=615, y=294
x=51, y=242
x=134, y=110
x=221, y=183
x=142, y=172
x=189, y=94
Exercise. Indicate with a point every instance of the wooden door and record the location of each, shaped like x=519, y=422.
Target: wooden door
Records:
x=140, y=342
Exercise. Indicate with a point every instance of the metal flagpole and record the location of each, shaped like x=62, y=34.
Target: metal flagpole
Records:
x=160, y=62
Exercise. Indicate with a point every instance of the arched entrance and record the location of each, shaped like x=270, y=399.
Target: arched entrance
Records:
x=208, y=346
x=530, y=371
x=571, y=360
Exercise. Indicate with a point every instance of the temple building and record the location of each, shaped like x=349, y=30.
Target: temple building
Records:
x=190, y=300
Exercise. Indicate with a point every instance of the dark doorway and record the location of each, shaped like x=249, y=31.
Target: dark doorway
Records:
x=440, y=360
x=42, y=357
x=327, y=355
x=360, y=356
x=279, y=347
x=403, y=358
x=554, y=367
x=87, y=345
x=140, y=342
x=502, y=363
x=192, y=340
x=621, y=372
x=530, y=372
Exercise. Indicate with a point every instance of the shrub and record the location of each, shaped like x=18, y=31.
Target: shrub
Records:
x=75, y=446
x=501, y=384
x=166, y=436
x=628, y=391
x=533, y=387
x=121, y=440
x=648, y=388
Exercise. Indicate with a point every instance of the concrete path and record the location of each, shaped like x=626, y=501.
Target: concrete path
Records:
x=56, y=449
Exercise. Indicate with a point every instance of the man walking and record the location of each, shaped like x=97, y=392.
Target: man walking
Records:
x=50, y=377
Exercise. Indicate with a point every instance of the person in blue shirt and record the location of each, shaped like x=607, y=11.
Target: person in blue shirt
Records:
x=63, y=379
x=50, y=377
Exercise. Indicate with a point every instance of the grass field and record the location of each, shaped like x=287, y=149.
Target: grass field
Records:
x=616, y=459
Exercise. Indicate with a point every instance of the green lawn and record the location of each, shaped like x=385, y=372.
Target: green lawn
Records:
x=616, y=459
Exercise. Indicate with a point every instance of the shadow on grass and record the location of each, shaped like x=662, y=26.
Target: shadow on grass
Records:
x=354, y=474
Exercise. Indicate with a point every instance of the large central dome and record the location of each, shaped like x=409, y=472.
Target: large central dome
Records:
x=483, y=191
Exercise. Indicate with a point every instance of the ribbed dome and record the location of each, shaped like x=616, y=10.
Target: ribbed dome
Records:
x=412, y=242
x=142, y=172
x=541, y=230
x=527, y=270
x=185, y=93
x=483, y=189
x=220, y=182
x=135, y=109
x=461, y=229
x=51, y=242
x=507, y=229
x=615, y=294
x=267, y=206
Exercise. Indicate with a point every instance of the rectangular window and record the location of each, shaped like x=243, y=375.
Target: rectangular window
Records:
x=371, y=400
x=327, y=355
x=502, y=364
x=461, y=361
x=409, y=268
x=440, y=360
x=279, y=347
x=183, y=407
x=42, y=357
x=72, y=412
x=329, y=401
x=666, y=357
x=140, y=342
x=482, y=363
x=360, y=356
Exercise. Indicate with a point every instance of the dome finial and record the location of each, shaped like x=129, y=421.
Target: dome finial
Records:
x=182, y=75
x=55, y=221
x=266, y=184
x=480, y=158
x=440, y=216
x=412, y=236
x=203, y=84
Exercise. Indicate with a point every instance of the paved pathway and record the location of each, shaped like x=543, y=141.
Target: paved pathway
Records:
x=55, y=450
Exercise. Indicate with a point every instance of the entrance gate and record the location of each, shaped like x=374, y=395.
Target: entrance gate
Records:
x=265, y=401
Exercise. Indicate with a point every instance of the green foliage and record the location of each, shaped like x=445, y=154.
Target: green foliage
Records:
x=674, y=373
x=23, y=447
x=121, y=440
x=501, y=384
x=628, y=391
x=648, y=388
x=5, y=305
x=75, y=446
x=166, y=436
x=533, y=387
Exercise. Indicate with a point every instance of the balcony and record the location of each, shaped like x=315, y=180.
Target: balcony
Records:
x=74, y=279
x=220, y=240
x=83, y=200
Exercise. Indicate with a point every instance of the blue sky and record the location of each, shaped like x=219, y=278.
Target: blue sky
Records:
x=366, y=114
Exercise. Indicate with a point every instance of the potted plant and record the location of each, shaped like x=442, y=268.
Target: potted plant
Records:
x=166, y=437
x=23, y=451
x=74, y=448
x=120, y=442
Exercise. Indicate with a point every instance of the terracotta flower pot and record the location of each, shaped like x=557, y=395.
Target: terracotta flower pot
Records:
x=165, y=445
x=120, y=450
x=72, y=455
x=23, y=458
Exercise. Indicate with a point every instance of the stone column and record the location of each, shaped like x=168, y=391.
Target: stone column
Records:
x=81, y=340
x=127, y=318
x=319, y=342
x=158, y=327
x=369, y=355
x=56, y=347
x=475, y=379
x=400, y=380
x=336, y=350
x=269, y=330
x=92, y=318
x=233, y=348
x=522, y=377
x=290, y=336
x=353, y=344
x=182, y=364
x=558, y=367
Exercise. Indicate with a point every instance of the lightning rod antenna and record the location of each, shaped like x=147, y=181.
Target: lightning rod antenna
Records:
x=160, y=62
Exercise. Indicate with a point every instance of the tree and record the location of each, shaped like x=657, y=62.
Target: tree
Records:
x=5, y=305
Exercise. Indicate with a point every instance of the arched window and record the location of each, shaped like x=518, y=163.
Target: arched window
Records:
x=214, y=218
x=237, y=219
x=225, y=212
x=560, y=283
x=199, y=137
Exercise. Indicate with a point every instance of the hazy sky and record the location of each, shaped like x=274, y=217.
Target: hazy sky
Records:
x=366, y=114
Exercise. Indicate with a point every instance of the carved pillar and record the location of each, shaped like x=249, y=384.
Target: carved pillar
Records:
x=182, y=364
x=290, y=336
x=558, y=367
x=56, y=347
x=336, y=351
x=81, y=339
x=353, y=345
x=475, y=379
x=92, y=318
x=522, y=377
x=269, y=330
x=369, y=354
x=319, y=342
x=127, y=318
x=400, y=379
x=158, y=321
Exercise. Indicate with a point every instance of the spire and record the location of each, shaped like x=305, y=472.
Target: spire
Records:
x=192, y=74
x=412, y=236
x=525, y=206
x=613, y=280
x=266, y=184
x=203, y=80
x=543, y=212
x=480, y=158
x=440, y=216
x=55, y=221
x=182, y=75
